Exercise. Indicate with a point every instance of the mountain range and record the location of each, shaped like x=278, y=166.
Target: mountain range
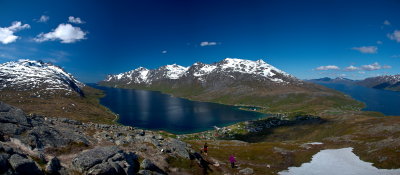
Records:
x=232, y=81
x=387, y=82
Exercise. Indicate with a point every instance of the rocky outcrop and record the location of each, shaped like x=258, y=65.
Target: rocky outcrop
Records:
x=34, y=131
x=23, y=165
x=64, y=146
x=53, y=166
x=106, y=160
x=246, y=171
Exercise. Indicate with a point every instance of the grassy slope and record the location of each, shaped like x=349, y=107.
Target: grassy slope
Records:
x=72, y=106
x=374, y=139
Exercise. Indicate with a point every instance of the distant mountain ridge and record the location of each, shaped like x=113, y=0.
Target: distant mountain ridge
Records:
x=230, y=81
x=200, y=71
x=387, y=82
x=44, y=78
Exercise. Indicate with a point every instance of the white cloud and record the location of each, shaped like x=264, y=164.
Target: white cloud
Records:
x=43, y=18
x=395, y=56
x=374, y=66
x=164, y=51
x=386, y=22
x=7, y=33
x=329, y=67
x=76, y=20
x=208, y=43
x=351, y=68
x=64, y=32
x=379, y=42
x=394, y=36
x=366, y=49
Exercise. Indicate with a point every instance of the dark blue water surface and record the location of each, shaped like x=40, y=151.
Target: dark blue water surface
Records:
x=154, y=110
x=384, y=101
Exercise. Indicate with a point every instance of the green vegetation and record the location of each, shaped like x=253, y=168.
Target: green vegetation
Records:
x=374, y=139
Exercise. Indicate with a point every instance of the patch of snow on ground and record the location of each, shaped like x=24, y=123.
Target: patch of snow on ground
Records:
x=315, y=143
x=337, y=162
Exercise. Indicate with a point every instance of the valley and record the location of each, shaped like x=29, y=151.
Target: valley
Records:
x=299, y=114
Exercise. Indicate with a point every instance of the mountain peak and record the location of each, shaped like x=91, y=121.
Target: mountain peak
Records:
x=27, y=74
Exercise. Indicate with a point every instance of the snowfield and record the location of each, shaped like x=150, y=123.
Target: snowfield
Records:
x=338, y=162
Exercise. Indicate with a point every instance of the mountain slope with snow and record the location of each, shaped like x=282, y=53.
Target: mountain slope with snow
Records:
x=43, y=78
x=388, y=82
x=232, y=81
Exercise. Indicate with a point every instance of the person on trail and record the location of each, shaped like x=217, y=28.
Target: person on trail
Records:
x=232, y=160
x=205, y=148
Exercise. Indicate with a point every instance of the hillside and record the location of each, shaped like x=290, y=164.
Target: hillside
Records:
x=46, y=89
x=236, y=82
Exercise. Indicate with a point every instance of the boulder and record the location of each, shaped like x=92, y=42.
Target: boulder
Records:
x=23, y=165
x=147, y=164
x=106, y=160
x=10, y=114
x=246, y=171
x=4, y=166
x=178, y=147
x=53, y=166
x=88, y=159
x=102, y=168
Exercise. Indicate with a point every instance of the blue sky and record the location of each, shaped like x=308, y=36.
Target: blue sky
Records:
x=308, y=39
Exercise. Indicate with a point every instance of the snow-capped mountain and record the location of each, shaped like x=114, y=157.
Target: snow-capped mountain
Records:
x=230, y=67
x=37, y=76
x=231, y=81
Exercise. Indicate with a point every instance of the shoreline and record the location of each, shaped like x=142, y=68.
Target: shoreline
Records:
x=260, y=110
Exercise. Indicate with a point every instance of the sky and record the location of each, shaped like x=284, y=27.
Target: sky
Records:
x=308, y=39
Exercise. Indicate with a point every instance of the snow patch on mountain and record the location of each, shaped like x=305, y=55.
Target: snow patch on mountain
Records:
x=258, y=67
x=175, y=71
x=205, y=70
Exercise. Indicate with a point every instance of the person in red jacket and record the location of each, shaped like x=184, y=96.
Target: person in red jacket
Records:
x=205, y=148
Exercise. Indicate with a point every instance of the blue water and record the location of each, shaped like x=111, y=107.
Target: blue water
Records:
x=384, y=101
x=157, y=111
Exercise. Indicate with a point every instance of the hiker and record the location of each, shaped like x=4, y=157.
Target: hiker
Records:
x=205, y=148
x=232, y=160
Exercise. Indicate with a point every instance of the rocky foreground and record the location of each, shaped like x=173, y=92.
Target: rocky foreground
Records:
x=32, y=144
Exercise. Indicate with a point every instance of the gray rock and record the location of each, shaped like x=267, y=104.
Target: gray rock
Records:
x=22, y=165
x=147, y=164
x=4, y=166
x=53, y=166
x=6, y=149
x=178, y=147
x=148, y=172
x=103, y=169
x=10, y=114
x=246, y=171
x=90, y=158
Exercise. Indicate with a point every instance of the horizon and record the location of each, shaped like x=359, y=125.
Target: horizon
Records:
x=307, y=39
